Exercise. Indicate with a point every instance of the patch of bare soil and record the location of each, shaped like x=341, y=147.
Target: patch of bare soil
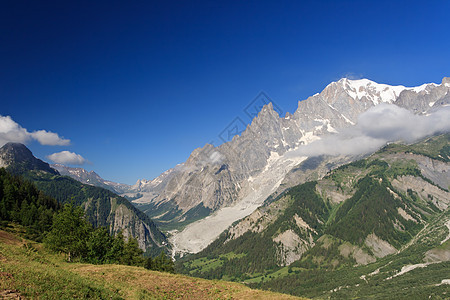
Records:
x=10, y=294
x=8, y=238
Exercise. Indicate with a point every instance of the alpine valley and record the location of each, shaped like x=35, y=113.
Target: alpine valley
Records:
x=347, y=197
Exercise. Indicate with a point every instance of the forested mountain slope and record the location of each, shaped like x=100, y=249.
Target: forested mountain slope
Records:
x=102, y=207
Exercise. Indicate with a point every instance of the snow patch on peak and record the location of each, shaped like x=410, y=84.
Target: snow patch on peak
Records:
x=377, y=92
x=373, y=91
x=423, y=87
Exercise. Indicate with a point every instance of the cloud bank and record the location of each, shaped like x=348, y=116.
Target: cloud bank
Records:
x=67, y=157
x=375, y=128
x=10, y=131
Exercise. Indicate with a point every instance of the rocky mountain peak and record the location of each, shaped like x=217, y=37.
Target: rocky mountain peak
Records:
x=19, y=159
x=17, y=151
x=269, y=109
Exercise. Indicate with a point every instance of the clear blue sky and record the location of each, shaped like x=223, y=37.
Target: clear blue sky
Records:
x=136, y=86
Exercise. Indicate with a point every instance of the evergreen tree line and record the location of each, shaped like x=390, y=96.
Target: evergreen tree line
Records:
x=72, y=234
x=65, y=228
x=22, y=203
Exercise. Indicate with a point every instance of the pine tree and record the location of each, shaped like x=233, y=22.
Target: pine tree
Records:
x=98, y=244
x=132, y=254
x=69, y=232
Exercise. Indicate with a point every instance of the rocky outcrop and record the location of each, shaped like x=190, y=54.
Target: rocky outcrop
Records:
x=361, y=257
x=290, y=247
x=426, y=190
x=259, y=219
x=379, y=247
x=102, y=207
x=125, y=220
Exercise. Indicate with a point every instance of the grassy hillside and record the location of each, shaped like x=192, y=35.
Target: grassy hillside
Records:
x=28, y=270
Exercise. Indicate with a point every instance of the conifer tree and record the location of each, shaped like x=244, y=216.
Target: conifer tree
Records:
x=69, y=232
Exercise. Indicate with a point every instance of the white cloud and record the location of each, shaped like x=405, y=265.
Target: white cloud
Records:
x=10, y=131
x=49, y=138
x=376, y=127
x=67, y=157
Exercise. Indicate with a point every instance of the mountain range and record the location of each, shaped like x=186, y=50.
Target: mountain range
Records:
x=200, y=198
x=89, y=177
x=217, y=186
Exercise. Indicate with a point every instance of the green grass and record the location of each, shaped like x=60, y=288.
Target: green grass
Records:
x=205, y=264
x=30, y=271
x=277, y=274
x=334, y=209
x=38, y=275
x=346, y=282
x=372, y=207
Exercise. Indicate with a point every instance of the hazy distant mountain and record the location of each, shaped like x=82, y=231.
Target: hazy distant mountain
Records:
x=90, y=177
x=103, y=207
x=230, y=181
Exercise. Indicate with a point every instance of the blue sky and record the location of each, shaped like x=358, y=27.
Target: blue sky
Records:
x=136, y=86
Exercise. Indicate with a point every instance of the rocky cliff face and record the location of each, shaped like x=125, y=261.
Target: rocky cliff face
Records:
x=242, y=173
x=123, y=218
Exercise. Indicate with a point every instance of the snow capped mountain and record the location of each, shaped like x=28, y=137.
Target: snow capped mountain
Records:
x=377, y=93
x=233, y=179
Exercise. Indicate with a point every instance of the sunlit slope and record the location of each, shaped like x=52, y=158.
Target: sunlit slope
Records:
x=27, y=270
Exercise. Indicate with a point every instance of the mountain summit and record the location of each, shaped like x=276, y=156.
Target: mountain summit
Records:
x=17, y=158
